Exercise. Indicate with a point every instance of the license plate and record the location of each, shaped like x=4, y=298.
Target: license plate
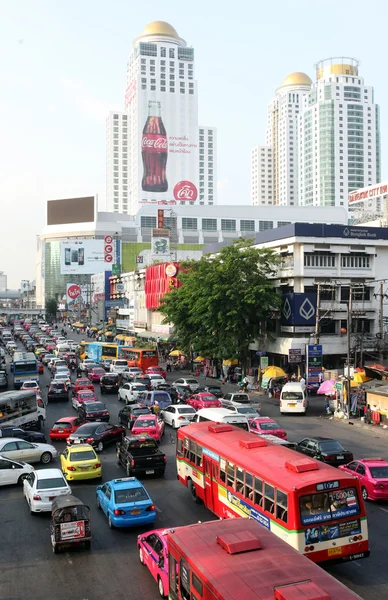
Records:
x=99, y=419
x=293, y=405
x=135, y=512
x=150, y=472
x=334, y=551
x=83, y=468
x=60, y=430
x=77, y=441
x=340, y=457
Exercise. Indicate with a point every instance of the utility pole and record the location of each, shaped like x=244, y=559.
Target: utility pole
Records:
x=349, y=327
x=317, y=314
x=381, y=327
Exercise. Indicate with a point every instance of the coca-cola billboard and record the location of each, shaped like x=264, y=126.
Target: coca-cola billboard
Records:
x=168, y=148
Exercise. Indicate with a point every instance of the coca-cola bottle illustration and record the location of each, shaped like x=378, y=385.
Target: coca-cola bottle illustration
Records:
x=154, y=149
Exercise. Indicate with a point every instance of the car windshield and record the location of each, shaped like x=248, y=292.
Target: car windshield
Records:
x=292, y=396
x=331, y=446
x=121, y=363
x=86, y=394
x=80, y=456
x=139, y=387
x=143, y=446
x=110, y=378
x=53, y=482
x=30, y=384
x=98, y=371
x=141, y=411
x=130, y=495
x=242, y=398
x=62, y=425
x=192, y=381
x=379, y=472
x=185, y=410
x=82, y=382
x=245, y=410
x=269, y=426
x=144, y=423
x=87, y=428
x=162, y=397
x=94, y=406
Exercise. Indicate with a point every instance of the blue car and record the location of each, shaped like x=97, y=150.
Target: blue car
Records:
x=125, y=502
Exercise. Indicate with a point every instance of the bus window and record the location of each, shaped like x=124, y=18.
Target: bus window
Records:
x=281, y=506
x=198, y=457
x=230, y=472
x=192, y=451
x=186, y=452
x=179, y=448
x=172, y=569
x=239, y=480
x=223, y=470
x=197, y=584
x=184, y=580
x=269, y=498
x=258, y=492
x=248, y=486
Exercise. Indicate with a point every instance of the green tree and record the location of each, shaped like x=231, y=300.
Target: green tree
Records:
x=223, y=301
x=51, y=308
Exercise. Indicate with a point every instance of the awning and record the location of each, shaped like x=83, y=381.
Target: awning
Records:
x=151, y=335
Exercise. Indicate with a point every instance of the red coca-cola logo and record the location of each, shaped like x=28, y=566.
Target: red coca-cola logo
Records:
x=154, y=142
x=74, y=291
x=185, y=191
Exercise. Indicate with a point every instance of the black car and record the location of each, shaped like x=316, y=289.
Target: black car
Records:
x=93, y=411
x=57, y=391
x=3, y=380
x=325, y=449
x=29, y=436
x=129, y=414
x=109, y=383
x=98, y=435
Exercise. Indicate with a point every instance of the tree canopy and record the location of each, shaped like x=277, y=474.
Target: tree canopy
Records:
x=223, y=300
x=51, y=307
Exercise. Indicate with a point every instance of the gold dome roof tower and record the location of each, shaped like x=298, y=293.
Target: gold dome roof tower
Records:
x=298, y=79
x=161, y=30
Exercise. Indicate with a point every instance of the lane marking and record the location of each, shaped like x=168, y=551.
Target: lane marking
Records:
x=384, y=509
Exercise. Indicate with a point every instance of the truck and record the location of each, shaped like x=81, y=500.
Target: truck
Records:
x=140, y=455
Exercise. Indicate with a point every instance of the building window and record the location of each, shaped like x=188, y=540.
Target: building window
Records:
x=265, y=225
x=189, y=223
x=228, y=225
x=247, y=225
x=354, y=261
x=319, y=260
x=171, y=53
x=209, y=224
x=148, y=222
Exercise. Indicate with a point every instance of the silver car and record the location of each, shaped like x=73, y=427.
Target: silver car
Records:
x=18, y=449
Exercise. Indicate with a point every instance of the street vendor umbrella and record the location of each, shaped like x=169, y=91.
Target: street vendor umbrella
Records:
x=199, y=359
x=176, y=353
x=274, y=372
x=229, y=362
x=94, y=329
x=326, y=387
x=360, y=377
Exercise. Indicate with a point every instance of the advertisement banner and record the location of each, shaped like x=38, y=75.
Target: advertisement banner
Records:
x=95, y=352
x=263, y=363
x=83, y=257
x=168, y=147
x=294, y=355
x=76, y=293
x=314, y=363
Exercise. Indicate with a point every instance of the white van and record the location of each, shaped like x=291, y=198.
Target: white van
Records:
x=221, y=415
x=62, y=349
x=293, y=398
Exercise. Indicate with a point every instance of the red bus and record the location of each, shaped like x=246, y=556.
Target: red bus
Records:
x=314, y=507
x=237, y=559
x=139, y=357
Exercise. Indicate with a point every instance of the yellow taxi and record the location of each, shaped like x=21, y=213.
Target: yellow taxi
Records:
x=39, y=351
x=80, y=462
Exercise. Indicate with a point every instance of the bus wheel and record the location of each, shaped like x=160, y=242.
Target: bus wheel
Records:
x=194, y=493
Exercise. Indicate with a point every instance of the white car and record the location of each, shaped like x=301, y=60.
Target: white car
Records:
x=130, y=391
x=119, y=366
x=156, y=379
x=17, y=449
x=84, y=364
x=250, y=412
x=31, y=384
x=13, y=471
x=41, y=487
x=62, y=378
x=178, y=415
x=192, y=383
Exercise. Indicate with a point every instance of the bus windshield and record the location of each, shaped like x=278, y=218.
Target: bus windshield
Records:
x=25, y=367
x=318, y=508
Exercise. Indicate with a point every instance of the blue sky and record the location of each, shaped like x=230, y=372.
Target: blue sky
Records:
x=63, y=68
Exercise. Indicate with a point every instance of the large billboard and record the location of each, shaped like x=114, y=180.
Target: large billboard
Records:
x=168, y=147
x=83, y=257
x=71, y=210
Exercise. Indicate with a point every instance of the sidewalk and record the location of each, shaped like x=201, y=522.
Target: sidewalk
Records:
x=376, y=429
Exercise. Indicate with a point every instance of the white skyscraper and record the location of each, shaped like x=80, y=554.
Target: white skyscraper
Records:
x=3, y=281
x=155, y=151
x=339, y=135
x=274, y=167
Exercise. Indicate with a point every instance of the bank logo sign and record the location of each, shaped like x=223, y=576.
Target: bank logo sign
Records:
x=299, y=309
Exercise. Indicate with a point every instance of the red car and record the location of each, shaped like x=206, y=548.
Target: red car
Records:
x=157, y=371
x=266, y=426
x=96, y=374
x=203, y=400
x=64, y=427
x=373, y=476
x=50, y=346
x=40, y=368
x=150, y=425
x=82, y=384
x=83, y=396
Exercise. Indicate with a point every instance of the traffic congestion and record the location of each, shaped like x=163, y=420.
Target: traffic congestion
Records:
x=91, y=441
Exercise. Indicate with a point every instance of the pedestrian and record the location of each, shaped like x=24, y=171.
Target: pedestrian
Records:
x=245, y=383
x=302, y=381
x=168, y=365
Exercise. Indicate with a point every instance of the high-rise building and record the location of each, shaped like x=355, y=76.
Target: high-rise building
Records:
x=339, y=135
x=274, y=167
x=155, y=145
x=3, y=281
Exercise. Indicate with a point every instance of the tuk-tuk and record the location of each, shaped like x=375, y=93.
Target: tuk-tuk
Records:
x=70, y=523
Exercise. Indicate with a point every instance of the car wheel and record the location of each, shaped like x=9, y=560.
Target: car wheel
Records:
x=22, y=478
x=46, y=458
x=364, y=493
x=141, y=555
x=55, y=549
x=100, y=446
x=119, y=398
x=110, y=524
x=160, y=588
x=173, y=424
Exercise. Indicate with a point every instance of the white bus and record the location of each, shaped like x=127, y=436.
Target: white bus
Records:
x=21, y=409
x=221, y=415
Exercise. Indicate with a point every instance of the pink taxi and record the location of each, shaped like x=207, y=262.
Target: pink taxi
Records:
x=266, y=426
x=153, y=553
x=150, y=425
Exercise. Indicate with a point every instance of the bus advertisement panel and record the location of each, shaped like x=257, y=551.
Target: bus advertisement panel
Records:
x=98, y=351
x=25, y=367
x=312, y=506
